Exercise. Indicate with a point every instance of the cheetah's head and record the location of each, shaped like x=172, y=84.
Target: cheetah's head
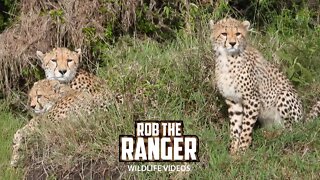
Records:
x=229, y=35
x=60, y=64
x=45, y=93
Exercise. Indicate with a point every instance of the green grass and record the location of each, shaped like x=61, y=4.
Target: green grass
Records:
x=8, y=124
x=175, y=81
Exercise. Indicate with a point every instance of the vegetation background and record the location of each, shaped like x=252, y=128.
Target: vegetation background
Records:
x=158, y=54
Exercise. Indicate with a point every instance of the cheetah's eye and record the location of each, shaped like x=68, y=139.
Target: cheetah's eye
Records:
x=69, y=60
x=238, y=34
x=224, y=34
x=39, y=96
x=54, y=60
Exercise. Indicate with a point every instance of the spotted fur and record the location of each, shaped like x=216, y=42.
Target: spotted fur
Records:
x=62, y=64
x=64, y=102
x=253, y=88
x=45, y=93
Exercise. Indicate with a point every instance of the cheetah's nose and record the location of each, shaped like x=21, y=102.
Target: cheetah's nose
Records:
x=232, y=43
x=62, y=71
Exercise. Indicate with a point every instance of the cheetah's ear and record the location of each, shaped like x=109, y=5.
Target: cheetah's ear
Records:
x=56, y=85
x=40, y=55
x=211, y=23
x=246, y=24
x=61, y=89
x=78, y=51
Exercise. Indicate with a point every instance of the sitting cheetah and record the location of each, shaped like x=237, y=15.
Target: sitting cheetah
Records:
x=62, y=64
x=253, y=88
x=56, y=102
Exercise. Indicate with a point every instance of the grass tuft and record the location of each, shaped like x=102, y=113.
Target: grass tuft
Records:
x=172, y=80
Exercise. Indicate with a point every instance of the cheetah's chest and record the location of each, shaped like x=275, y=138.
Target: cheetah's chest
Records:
x=226, y=79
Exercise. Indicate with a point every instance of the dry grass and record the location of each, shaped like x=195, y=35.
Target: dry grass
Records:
x=177, y=76
x=79, y=149
x=42, y=25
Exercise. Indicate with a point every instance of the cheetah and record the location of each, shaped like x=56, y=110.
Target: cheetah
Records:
x=56, y=102
x=45, y=93
x=253, y=88
x=62, y=64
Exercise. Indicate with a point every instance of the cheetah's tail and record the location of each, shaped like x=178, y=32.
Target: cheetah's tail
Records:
x=314, y=113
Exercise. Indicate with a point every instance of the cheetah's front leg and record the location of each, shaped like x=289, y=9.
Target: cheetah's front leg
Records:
x=251, y=107
x=18, y=141
x=235, y=112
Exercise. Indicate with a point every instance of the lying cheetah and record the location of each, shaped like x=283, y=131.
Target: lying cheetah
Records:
x=45, y=93
x=56, y=102
x=253, y=88
x=62, y=64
